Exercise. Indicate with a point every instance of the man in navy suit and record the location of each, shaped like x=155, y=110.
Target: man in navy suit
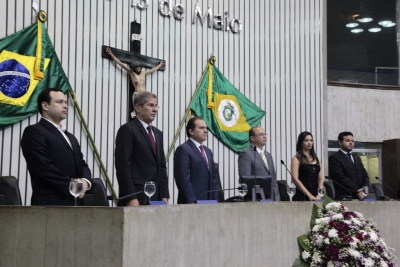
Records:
x=139, y=154
x=52, y=154
x=194, y=168
x=347, y=170
x=258, y=162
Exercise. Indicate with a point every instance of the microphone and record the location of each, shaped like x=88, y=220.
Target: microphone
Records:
x=219, y=190
x=380, y=180
x=343, y=198
x=283, y=163
x=112, y=198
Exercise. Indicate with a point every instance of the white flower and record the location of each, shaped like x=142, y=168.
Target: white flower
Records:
x=333, y=233
x=354, y=243
x=373, y=254
x=374, y=236
x=368, y=262
x=330, y=264
x=323, y=221
x=316, y=228
x=354, y=253
x=316, y=257
x=382, y=263
x=326, y=241
x=356, y=221
x=305, y=255
x=333, y=206
x=337, y=217
x=359, y=215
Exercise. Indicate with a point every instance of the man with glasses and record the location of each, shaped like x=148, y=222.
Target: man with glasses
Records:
x=347, y=170
x=139, y=154
x=256, y=161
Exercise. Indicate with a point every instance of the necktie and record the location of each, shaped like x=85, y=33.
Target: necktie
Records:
x=264, y=159
x=349, y=155
x=153, y=142
x=203, y=154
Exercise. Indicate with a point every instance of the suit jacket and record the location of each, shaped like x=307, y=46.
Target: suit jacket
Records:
x=52, y=163
x=192, y=176
x=136, y=163
x=343, y=171
x=247, y=165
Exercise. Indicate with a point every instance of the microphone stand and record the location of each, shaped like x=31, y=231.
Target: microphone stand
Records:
x=376, y=177
x=112, y=198
x=254, y=189
x=343, y=198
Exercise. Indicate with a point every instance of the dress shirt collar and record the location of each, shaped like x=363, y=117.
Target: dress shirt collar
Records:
x=144, y=124
x=345, y=152
x=60, y=127
x=196, y=143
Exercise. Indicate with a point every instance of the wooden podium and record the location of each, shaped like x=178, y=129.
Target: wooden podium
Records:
x=391, y=166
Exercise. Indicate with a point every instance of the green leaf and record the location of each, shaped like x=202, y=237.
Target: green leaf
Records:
x=314, y=216
x=327, y=200
x=301, y=239
x=300, y=263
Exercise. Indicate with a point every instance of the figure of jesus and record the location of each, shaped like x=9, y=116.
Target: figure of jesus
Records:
x=138, y=77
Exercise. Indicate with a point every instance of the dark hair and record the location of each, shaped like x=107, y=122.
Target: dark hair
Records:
x=191, y=125
x=142, y=98
x=252, y=132
x=44, y=96
x=299, y=149
x=343, y=134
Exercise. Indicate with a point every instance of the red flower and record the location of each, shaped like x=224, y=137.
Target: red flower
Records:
x=359, y=236
x=333, y=224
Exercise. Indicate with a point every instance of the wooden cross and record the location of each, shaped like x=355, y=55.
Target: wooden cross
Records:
x=133, y=56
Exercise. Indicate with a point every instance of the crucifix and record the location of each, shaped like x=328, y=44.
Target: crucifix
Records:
x=135, y=63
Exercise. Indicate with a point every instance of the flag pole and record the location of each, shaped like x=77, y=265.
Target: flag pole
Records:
x=210, y=61
x=92, y=143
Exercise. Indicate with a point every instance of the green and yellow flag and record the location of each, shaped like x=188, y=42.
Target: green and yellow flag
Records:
x=28, y=64
x=228, y=114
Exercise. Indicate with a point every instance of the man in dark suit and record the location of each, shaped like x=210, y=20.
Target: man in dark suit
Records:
x=52, y=154
x=139, y=154
x=263, y=164
x=347, y=169
x=194, y=168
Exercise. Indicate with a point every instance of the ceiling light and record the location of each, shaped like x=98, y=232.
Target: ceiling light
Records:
x=351, y=24
x=357, y=30
x=387, y=23
x=363, y=20
x=374, y=29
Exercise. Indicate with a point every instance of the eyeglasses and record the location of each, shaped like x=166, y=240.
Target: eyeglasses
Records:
x=261, y=134
x=153, y=106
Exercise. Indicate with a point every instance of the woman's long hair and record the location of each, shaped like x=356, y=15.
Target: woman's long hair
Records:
x=299, y=149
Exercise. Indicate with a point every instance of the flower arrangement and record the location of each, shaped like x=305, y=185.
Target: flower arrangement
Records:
x=340, y=237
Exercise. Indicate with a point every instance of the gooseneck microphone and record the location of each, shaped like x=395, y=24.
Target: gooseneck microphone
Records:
x=343, y=198
x=112, y=198
x=254, y=196
x=380, y=180
x=293, y=180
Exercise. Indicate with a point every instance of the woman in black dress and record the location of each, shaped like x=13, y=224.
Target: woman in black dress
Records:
x=306, y=169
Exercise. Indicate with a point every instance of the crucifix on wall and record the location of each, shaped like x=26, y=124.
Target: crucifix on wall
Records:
x=134, y=62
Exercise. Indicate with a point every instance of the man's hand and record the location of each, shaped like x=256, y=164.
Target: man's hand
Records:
x=132, y=203
x=318, y=197
x=162, y=63
x=165, y=199
x=85, y=187
x=360, y=195
x=108, y=51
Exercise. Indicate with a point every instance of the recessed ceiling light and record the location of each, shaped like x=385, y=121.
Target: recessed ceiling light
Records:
x=386, y=23
x=351, y=24
x=365, y=20
x=374, y=29
x=357, y=30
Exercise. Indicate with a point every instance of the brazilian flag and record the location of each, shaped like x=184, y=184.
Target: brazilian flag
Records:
x=28, y=64
x=228, y=114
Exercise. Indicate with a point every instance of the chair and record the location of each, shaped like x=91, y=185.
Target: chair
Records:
x=330, y=190
x=97, y=195
x=9, y=191
x=282, y=187
x=221, y=194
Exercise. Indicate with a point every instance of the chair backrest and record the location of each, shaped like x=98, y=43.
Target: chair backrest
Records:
x=378, y=190
x=282, y=187
x=9, y=191
x=97, y=195
x=330, y=190
x=221, y=194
